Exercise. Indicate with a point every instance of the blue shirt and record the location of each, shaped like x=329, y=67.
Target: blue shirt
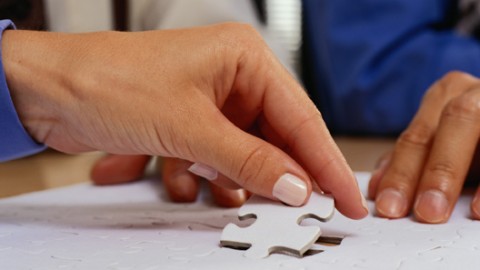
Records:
x=15, y=142
x=371, y=61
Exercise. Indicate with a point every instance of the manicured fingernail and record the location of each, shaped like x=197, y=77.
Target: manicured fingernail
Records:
x=290, y=190
x=391, y=203
x=204, y=171
x=431, y=206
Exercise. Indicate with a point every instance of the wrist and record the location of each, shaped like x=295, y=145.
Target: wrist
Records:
x=34, y=76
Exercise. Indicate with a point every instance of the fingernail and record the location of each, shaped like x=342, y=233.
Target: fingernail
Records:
x=364, y=203
x=376, y=173
x=204, y=171
x=431, y=206
x=475, y=207
x=290, y=190
x=380, y=168
x=391, y=203
x=382, y=164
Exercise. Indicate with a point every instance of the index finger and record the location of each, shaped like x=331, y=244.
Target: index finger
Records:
x=301, y=125
x=294, y=117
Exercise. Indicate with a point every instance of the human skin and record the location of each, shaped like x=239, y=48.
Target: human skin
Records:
x=427, y=169
x=181, y=185
x=214, y=96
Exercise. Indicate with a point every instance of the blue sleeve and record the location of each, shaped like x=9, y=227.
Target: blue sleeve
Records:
x=15, y=142
x=373, y=60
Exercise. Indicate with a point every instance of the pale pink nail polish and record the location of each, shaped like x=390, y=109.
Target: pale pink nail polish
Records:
x=204, y=171
x=290, y=190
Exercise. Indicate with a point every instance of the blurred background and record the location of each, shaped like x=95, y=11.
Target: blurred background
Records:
x=65, y=16
x=281, y=17
x=278, y=21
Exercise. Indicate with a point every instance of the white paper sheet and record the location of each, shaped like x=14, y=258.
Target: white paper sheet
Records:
x=133, y=226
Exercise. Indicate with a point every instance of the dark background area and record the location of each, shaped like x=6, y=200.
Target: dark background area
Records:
x=26, y=14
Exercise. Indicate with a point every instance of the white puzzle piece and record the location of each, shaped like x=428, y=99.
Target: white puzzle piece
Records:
x=277, y=226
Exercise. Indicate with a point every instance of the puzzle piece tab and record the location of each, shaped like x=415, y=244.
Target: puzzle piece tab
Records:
x=277, y=226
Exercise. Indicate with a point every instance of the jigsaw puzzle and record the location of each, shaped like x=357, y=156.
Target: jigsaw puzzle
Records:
x=277, y=226
x=134, y=226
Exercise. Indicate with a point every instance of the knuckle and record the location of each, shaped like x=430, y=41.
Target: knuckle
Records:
x=252, y=166
x=438, y=93
x=245, y=30
x=241, y=39
x=443, y=172
x=419, y=135
x=295, y=135
x=404, y=180
x=466, y=107
x=455, y=76
x=450, y=85
x=240, y=33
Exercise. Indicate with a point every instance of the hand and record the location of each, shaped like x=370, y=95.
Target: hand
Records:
x=431, y=159
x=215, y=96
x=181, y=185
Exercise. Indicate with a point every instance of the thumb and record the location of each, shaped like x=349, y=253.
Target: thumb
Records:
x=254, y=164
